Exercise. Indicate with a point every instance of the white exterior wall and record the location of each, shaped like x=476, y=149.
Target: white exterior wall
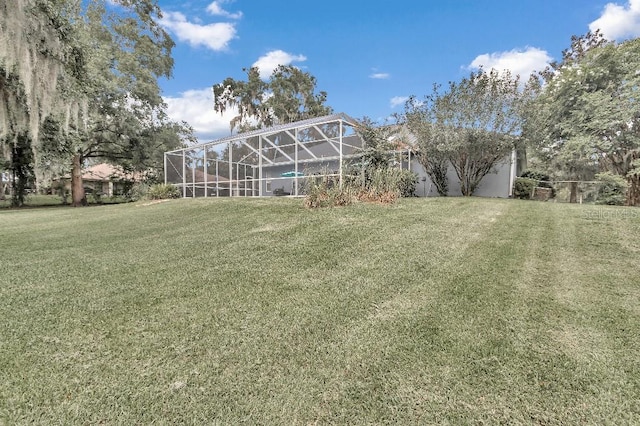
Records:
x=496, y=184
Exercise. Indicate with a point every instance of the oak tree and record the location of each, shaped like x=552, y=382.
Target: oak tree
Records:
x=586, y=119
x=289, y=95
x=101, y=97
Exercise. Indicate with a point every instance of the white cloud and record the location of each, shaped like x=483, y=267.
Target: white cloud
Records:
x=269, y=62
x=212, y=36
x=519, y=62
x=196, y=108
x=216, y=9
x=619, y=22
x=380, y=75
x=398, y=100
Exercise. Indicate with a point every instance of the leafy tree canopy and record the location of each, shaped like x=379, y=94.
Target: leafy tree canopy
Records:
x=472, y=125
x=100, y=98
x=586, y=119
x=289, y=95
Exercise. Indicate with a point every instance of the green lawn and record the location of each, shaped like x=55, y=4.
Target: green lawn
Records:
x=257, y=311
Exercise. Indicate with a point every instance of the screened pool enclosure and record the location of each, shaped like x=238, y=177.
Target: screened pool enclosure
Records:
x=266, y=162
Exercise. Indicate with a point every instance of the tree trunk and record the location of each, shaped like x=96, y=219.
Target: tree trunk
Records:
x=573, y=195
x=633, y=191
x=464, y=183
x=467, y=187
x=77, y=188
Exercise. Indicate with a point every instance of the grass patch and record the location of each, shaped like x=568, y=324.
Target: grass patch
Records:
x=259, y=311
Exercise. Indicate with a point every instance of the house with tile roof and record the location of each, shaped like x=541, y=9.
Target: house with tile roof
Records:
x=105, y=179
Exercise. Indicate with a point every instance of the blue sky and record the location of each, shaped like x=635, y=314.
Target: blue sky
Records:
x=369, y=55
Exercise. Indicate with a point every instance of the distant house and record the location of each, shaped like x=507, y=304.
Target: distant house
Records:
x=103, y=178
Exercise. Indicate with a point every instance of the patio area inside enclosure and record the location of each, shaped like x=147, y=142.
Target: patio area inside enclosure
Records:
x=273, y=161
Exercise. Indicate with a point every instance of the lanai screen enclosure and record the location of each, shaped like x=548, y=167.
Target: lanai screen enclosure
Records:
x=265, y=162
x=278, y=161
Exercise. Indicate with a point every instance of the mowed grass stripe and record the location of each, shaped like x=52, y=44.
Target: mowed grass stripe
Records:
x=258, y=311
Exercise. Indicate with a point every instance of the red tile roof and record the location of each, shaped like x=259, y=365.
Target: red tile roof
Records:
x=105, y=172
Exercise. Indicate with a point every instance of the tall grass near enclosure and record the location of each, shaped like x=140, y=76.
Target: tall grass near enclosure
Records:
x=259, y=311
x=378, y=185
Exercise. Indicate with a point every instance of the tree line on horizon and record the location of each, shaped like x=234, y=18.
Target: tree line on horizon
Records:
x=79, y=81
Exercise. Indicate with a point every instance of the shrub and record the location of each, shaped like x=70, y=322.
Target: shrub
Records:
x=163, y=192
x=381, y=185
x=325, y=191
x=96, y=197
x=407, y=183
x=543, y=179
x=523, y=188
x=137, y=192
x=611, y=190
x=123, y=185
x=381, y=182
x=535, y=174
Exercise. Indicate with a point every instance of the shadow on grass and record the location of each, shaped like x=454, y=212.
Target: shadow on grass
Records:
x=53, y=201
